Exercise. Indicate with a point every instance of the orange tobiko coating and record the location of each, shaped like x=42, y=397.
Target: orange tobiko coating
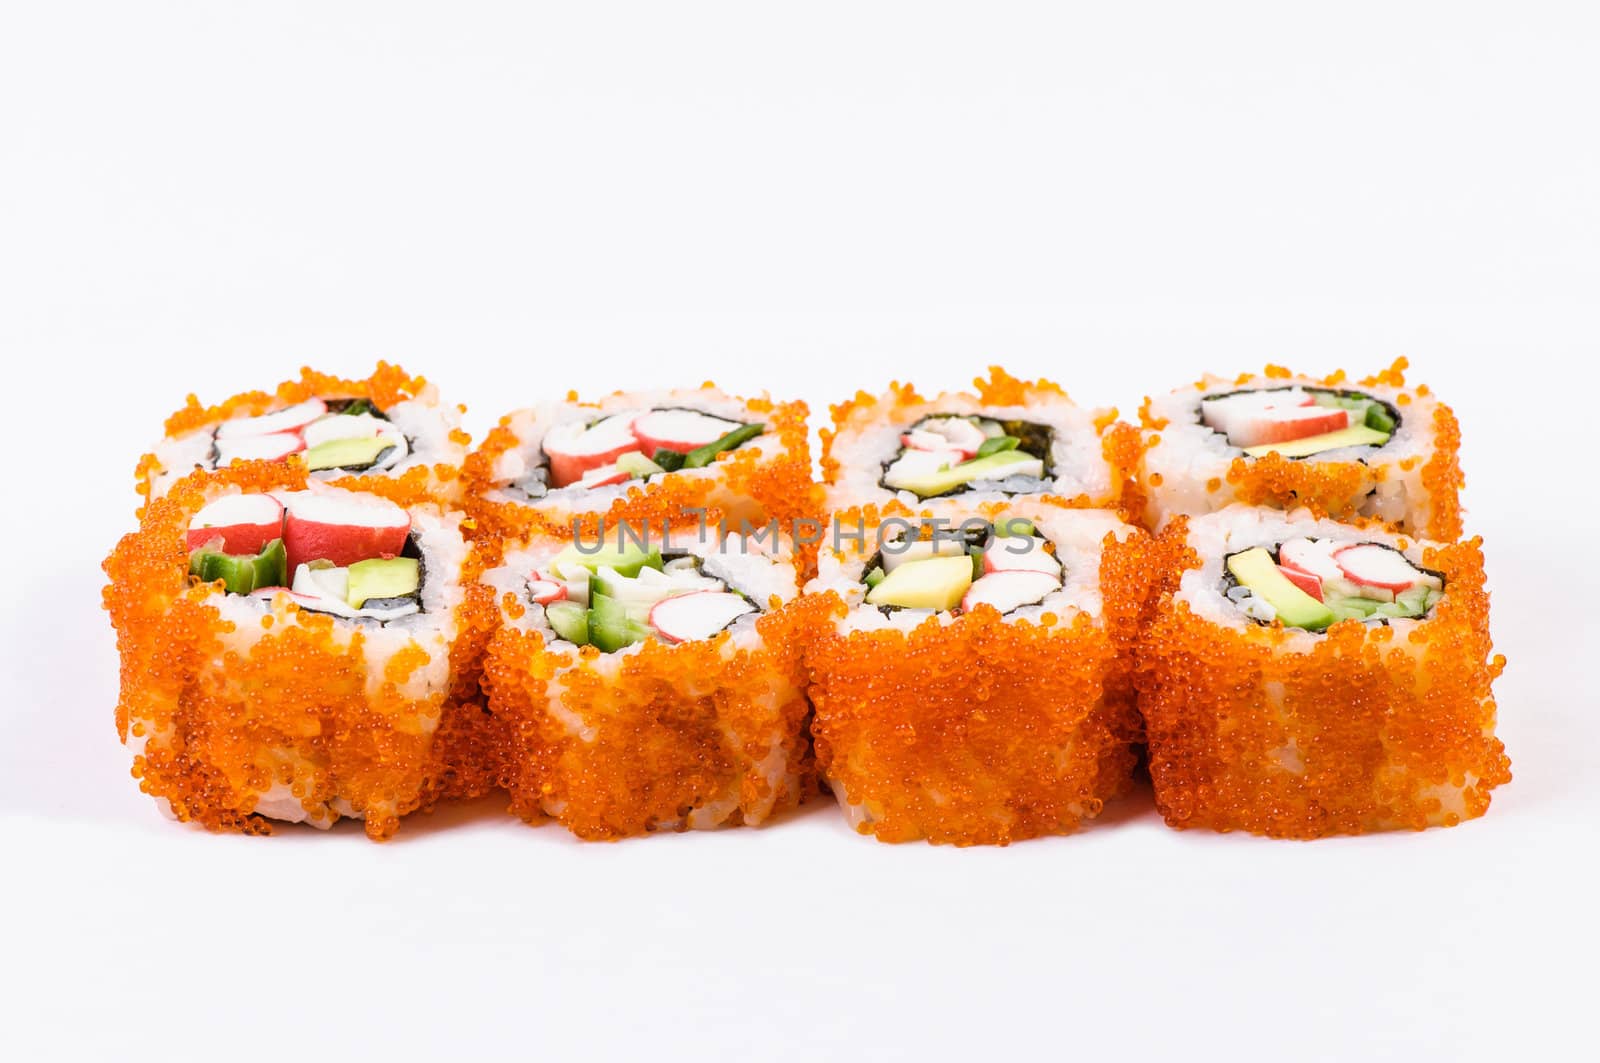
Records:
x=1375, y=728
x=1342, y=490
x=1122, y=446
x=307, y=709
x=749, y=485
x=663, y=737
x=388, y=385
x=978, y=729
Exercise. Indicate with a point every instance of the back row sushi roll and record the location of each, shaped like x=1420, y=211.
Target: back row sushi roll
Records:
x=387, y=433
x=1377, y=449
x=288, y=649
x=1013, y=439
x=968, y=674
x=647, y=458
x=650, y=681
x=1304, y=677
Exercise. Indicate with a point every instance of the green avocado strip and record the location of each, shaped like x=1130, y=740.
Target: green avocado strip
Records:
x=700, y=457
x=996, y=445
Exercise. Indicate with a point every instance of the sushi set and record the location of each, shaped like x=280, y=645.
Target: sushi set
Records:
x=644, y=613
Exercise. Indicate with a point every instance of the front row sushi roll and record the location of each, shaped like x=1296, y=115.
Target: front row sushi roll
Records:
x=387, y=433
x=1013, y=439
x=969, y=675
x=646, y=458
x=1304, y=677
x=650, y=681
x=288, y=649
x=1376, y=449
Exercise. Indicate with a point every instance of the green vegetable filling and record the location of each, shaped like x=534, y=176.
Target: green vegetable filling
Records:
x=242, y=573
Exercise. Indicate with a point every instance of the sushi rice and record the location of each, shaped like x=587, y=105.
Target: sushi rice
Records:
x=1371, y=724
x=960, y=723
x=1086, y=460
x=1411, y=481
x=682, y=730
x=764, y=477
x=421, y=461
x=244, y=707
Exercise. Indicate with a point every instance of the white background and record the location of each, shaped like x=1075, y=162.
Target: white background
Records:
x=517, y=200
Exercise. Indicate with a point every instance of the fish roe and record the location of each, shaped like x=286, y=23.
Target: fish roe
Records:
x=659, y=738
x=976, y=729
x=750, y=484
x=1122, y=445
x=1368, y=730
x=304, y=710
x=1179, y=465
x=387, y=386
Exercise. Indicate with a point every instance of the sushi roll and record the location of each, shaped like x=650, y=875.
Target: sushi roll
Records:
x=1304, y=677
x=651, y=682
x=969, y=668
x=646, y=458
x=288, y=649
x=387, y=434
x=1374, y=449
x=1012, y=439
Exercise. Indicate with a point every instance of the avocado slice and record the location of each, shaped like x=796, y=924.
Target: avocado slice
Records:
x=1354, y=436
x=569, y=620
x=703, y=456
x=991, y=467
x=384, y=577
x=995, y=444
x=932, y=583
x=1014, y=527
x=626, y=558
x=243, y=573
x=1255, y=569
x=346, y=453
x=635, y=464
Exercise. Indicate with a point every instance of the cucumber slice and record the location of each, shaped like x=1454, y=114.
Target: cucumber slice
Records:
x=608, y=623
x=243, y=573
x=613, y=625
x=875, y=577
x=1344, y=606
x=1378, y=418
x=569, y=621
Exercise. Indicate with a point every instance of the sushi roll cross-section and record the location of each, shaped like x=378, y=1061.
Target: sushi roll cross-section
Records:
x=290, y=649
x=1303, y=678
x=1375, y=449
x=1011, y=439
x=386, y=433
x=969, y=670
x=650, y=685
x=645, y=458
